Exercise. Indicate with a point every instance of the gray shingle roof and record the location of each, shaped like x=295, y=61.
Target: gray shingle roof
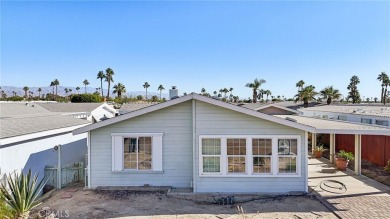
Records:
x=70, y=107
x=367, y=110
x=129, y=107
x=18, y=119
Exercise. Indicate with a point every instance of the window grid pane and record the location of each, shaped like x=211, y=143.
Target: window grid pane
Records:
x=236, y=164
x=287, y=165
x=236, y=146
x=210, y=147
x=261, y=164
x=137, y=153
x=211, y=164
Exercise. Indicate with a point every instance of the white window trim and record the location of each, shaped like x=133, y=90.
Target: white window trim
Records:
x=136, y=135
x=249, y=157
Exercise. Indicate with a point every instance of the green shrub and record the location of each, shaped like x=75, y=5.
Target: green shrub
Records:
x=345, y=155
x=15, y=98
x=85, y=98
x=5, y=210
x=139, y=97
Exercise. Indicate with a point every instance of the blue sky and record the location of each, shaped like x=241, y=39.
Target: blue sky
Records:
x=196, y=44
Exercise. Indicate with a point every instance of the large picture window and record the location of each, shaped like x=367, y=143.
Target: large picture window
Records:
x=250, y=156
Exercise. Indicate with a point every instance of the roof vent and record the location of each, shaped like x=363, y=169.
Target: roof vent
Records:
x=290, y=119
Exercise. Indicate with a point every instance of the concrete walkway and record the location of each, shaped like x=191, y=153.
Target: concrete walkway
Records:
x=363, y=197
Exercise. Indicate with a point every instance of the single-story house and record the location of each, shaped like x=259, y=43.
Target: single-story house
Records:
x=29, y=134
x=202, y=143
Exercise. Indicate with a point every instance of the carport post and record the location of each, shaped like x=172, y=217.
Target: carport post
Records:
x=313, y=142
x=332, y=149
x=358, y=154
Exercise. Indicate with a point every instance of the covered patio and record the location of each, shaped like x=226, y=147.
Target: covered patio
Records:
x=336, y=127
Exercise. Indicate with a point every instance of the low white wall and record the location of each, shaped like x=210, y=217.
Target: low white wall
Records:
x=37, y=153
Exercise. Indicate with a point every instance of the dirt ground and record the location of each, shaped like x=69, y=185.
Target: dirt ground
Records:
x=375, y=172
x=76, y=202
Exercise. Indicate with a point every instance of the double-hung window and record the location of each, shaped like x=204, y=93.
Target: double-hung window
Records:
x=137, y=153
x=287, y=155
x=262, y=155
x=211, y=155
x=236, y=153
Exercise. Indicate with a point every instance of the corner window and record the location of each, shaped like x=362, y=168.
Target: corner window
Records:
x=287, y=155
x=211, y=155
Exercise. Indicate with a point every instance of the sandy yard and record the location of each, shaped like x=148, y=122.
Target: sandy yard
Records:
x=76, y=202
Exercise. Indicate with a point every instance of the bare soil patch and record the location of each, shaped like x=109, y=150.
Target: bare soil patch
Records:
x=140, y=204
x=375, y=172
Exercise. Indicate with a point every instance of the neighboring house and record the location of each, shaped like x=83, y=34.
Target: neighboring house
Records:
x=133, y=106
x=360, y=113
x=94, y=112
x=209, y=145
x=29, y=133
x=271, y=108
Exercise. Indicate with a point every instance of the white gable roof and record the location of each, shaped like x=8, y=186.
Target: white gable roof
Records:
x=195, y=97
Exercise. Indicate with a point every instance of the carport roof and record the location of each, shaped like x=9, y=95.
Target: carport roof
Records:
x=327, y=126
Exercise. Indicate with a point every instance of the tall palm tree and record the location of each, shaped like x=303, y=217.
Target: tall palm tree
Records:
x=385, y=94
x=56, y=83
x=300, y=85
x=119, y=89
x=203, y=90
x=78, y=88
x=306, y=94
x=70, y=91
x=215, y=93
x=39, y=92
x=329, y=93
x=52, y=85
x=160, y=88
x=146, y=85
x=25, y=88
x=261, y=94
x=101, y=76
x=109, y=78
x=382, y=77
x=85, y=82
x=231, y=91
x=353, y=91
x=255, y=86
x=268, y=93
x=66, y=91
x=225, y=91
x=14, y=93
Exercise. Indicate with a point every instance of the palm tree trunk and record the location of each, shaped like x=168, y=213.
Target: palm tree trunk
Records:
x=305, y=102
x=108, y=91
x=146, y=97
x=383, y=89
x=160, y=94
x=329, y=100
x=385, y=96
x=254, y=96
x=85, y=89
x=101, y=85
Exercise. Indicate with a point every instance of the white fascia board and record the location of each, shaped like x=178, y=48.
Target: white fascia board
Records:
x=352, y=132
x=10, y=140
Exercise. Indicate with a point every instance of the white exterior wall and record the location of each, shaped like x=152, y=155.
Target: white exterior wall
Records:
x=35, y=154
x=174, y=122
x=213, y=120
x=102, y=111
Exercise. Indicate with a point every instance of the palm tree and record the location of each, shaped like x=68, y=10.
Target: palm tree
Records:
x=85, y=82
x=306, y=94
x=385, y=94
x=119, y=89
x=329, y=93
x=160, y=88
x=255, y=86
x=146, y=85
x=203, y=90
x=101, y=76
x=39, y=92
x=66, y=91
x=78, y=88
x=56, y=83
x=382, y=77
x=261, y=94
x=300, y=85
x=70, y=91
x=14, y=93
x=215, y=93
x=268, y=93
x=52, y=85
x=109, y=78
x=353, y=91
x=25, y=91
x=225, y=91
x=231, y=91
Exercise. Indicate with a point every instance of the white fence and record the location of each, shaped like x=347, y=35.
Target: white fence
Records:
x=70, y=173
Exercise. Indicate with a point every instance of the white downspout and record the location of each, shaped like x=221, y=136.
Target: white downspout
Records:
x=59, y=175
x=89, y=158
x=306, y=157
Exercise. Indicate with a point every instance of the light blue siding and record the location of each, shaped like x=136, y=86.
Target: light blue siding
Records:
x=214, y=120
x=174, y=122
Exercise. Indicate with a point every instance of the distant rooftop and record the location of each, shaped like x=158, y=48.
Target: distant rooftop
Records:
x=288, y=104
x=129, y=107
x=359, y=109
x=21, y=109
x=70, y=107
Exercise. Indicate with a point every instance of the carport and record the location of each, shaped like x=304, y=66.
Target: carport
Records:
x=334, y=127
